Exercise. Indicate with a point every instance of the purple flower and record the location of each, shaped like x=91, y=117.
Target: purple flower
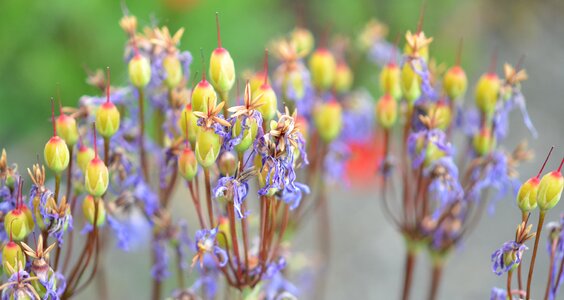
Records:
x=507, y=257
x=498, y=294
x=206, y=243
x=233, y=190
x=159, y=270
x=504, y=107
x=444, y=185
x=382, y=52
x=419, y=66
x=418, y=145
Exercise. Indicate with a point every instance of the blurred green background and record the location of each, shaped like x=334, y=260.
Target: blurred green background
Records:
x=43, y=43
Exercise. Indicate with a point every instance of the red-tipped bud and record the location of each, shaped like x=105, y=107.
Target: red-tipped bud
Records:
x=343, y=78
x=173, y=70
x=90, y=212
x=139, y=71
x=455, y=83
x=322, y=66
x=386, y=111
x=328, y=120
x=390, y=80
x=487, y=93
x=187, y=164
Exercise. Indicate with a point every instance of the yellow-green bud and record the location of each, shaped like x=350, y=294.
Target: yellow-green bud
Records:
x=90, y=212
x=187, y=164
x=269, y=102
x=257, y=80
x=432, y=151
x=303, y=40
x=328, y=120
x=139, y=71
x=323, y=67
x=202, y=94
x=173, y=70
x=410, y=83
x=390, y=80
x=227, y=163
x=550, y=190
x=96, y=177
x=441, y=114
x=484, y=141
x=208, y=144
x=249, y=134
x=107, y=119
x=56, y=154
x=12, y=254
x=386, y=111
x=343, y=78
x=222, y=70
x=193, y=128
x=455, y=82
x=527, y=196
x=223, y=227
x=67, y=129
x=17, y=224
x=84, y=156
x=487, y=93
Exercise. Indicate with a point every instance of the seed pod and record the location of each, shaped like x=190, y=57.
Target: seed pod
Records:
x=343, y=78
x=96, y=177
x=187, y=164
x=84, y=156
x=227, y=163
x=208, y=144
x=187, y=118
x=56, y=154
x=323, y=67
x=222, y=68
x=487, y=93
x=328, y=120
x=139, y=71
x=386, y=111
x=249, y=134
x=484, y=141
x=202, y=94
x=173, y=70
x=455, y=82
x=12, y=254
x=107, y=119
x=89, y=210
x=17, y=224
x=390, y=80
x=527, y=195
x=303, y=40
x=550, y=189
x=67, y=129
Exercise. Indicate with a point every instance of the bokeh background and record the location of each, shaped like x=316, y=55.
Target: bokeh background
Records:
x=43, y=43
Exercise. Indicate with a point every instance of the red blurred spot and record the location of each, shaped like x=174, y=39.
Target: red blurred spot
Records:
x=362, y=167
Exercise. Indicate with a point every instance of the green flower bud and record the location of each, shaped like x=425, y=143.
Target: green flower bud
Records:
x=455, y=82
x=550, y=190
x=323, y=67
x=56, y=154
x=96, y=177
x=484, y=141
x=303, y=40
x=187, y=164
x=107, y=119
x=139, y=71
x=386, y=111
x=225, y=228
x=269, y=102
x=12, y=254
x=222, y=70
x=173, y=70
x=202, y=93
x=487, y=92
x=343, y=78
x=193, y=128
x=249, y=134
x=67, y=129
x=84, y=156
x=89, y=210
x=17, y=224
x=410, y=83
x=208, y=144
x=227, y=163
x=328, y=120
x=390, y=80
x=527, y=196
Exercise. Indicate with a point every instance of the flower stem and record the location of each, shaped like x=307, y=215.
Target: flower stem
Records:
x=519, y=277
x=57, y=187
x=142, y=155
x=196, y=204
x=69, y=173
x=208, y=196
x=107, y=151
x=550, y=268
x=408, y=273
x=436, y=280
x=532, y=265
x=509, y=275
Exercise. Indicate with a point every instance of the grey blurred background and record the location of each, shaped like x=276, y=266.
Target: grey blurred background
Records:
x=45, y=42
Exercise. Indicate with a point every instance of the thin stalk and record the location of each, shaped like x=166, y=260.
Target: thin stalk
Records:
x=550, y=268
x=69, y=173
x=179, y=271
x=408, y=273
x=57, y=187
x=542, y=214
x=234, y=239
x=519, y=276
x=509, y=275
x=436, y=280
x=156, y=283
x=208, y=196
x=142, y=155
x=196, y=204
x=107, y=151
x=224, y=98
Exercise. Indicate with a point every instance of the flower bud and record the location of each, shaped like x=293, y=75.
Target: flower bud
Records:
x=390, y=80
x=173, y=70
x=139, y=71
x=487, y=92
x=56, y=154
x=193, y=128
x=187, y=164
x=257, y=80
x=202, y=94
x=550, y=190
x=225, y=229
x=527, y=195
x=328, y=120
x=96, y=177
x=67, y=129
x=107, y=119
x=249, y=134
x=386, y=111
x=227, y=163
x=484, y=141
x=12, y=254
x=303, y=40
x=208, y=144
x=222, y=70
x=16, y=223
x=343, y=78
x=269, y=102
x=84, y=156
x=455, y=82
x=441, y=113
x=90, y=212
x=410, y=83
x=323, y=67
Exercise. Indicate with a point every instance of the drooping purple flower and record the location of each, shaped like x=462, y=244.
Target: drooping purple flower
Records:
x=444, y=185
x=418, y=144
x=419, y=66
x=507, y=257
x=233, y=190
x=498, y=294
x=504, y=107
x=206, y=244
x=12, y=289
